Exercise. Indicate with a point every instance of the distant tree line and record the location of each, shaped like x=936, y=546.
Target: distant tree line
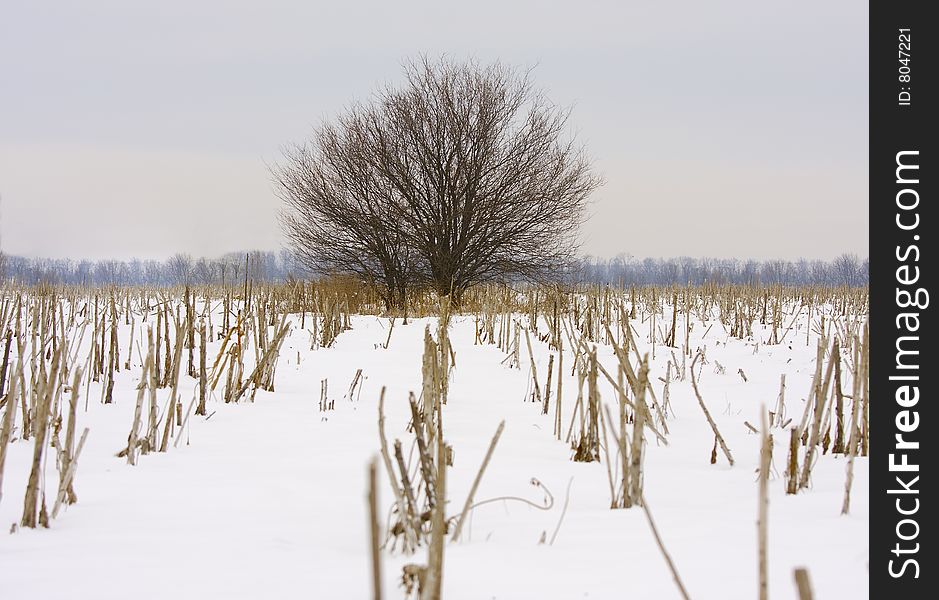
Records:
x=182, y=269
x=625, y=270
x=276, y=267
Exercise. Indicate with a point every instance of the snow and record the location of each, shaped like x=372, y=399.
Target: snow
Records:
x=268, y=499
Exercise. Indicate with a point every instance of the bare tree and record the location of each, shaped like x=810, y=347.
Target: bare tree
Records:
x=204, y=271
x=847, y=269
x=342, y=217
x=109, y=272
x=459, y=176
x=180, y=267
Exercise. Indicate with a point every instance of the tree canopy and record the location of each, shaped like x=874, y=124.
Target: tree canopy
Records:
x=463, y=174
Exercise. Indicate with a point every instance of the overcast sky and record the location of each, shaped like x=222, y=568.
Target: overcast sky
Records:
x=725, y=129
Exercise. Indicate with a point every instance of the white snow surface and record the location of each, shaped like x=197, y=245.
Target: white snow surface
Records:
x=268, y=499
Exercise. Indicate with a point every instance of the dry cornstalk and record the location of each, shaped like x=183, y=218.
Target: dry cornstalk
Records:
x=426, y=461
x=853, y=440
x=270, y=356
x=534, y=371
x=153, y=376
x=200, y=409
x=707, y=414
x=479, y=476
x=6, y=427
x=184, y=421
x=821, y=396
x=781, y=401
x=434, y=581
x=374, y=529
x=410, y=536
x=766, y=459
x=865, y=391
x=46, y=392
x=174, y=386
x=68, y=477
x=658, y=541
x=816, y=382
x=411, y=509
x=792, y=469
x=623, y=450
x=633, y=380
x=547, y=389
x=557, y=402
x=635, y=452
x=132, y=438
x=803, y=584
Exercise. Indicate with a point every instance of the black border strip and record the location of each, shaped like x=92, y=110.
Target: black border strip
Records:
x=902, y=64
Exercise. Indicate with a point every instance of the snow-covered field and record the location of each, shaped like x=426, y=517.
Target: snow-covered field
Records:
x=268, y=499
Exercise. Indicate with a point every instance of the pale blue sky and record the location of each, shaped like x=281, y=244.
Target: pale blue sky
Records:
x=722, y=128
